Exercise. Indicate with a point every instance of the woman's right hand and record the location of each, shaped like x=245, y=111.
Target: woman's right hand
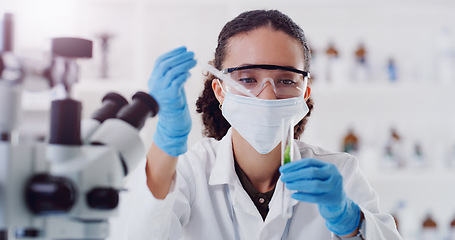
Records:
x=174, y=124
x=166, y=85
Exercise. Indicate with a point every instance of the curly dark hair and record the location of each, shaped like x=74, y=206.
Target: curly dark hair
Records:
x=215, y=125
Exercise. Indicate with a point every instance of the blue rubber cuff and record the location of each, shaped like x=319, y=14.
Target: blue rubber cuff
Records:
x=174, y=146
x=342, y=232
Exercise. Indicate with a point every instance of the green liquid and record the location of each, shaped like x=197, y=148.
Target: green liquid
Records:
x=287, y=156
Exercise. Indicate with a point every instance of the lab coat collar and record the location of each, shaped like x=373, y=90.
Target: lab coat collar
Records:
x=223, y=171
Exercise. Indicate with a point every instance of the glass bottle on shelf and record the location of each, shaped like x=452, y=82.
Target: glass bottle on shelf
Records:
x=429, y=228
x=417, y=156
x=452, y=229
x=332, y=61
x=397, y=213
x=361, y=54
x=445, y=60
x=350, y=142
x=361, y=68
x=389, y=158
x=393, y=156
x=391, y=70
x=105, y=39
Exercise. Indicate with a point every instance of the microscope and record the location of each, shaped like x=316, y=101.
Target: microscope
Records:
x=67, y=187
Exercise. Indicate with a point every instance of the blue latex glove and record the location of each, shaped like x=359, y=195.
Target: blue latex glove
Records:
x=166, y=85
x=320, y=182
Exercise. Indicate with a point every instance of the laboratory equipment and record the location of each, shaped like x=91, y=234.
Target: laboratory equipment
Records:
x=287, y=156
x=361, y=54
x=332, y=61
x=287, y=82
x=429, y=228
x=320, y=182
x=69, y=187
x=105, y=38
x=8, y=39
x=351, y=142
x=11, y=76
x=452, y=229
x=361, y=71
x=10, y=88
x=445, y=56
x=397, y=214
x=392, y=70
x=418, y=157
x=228, y=80
x=393, y=155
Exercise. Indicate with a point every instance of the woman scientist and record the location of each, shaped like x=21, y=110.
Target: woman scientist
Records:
x=227, y=186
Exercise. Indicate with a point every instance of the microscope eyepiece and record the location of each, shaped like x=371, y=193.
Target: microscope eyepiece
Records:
x=112, y=103
x=115, y=97
x=136, y=113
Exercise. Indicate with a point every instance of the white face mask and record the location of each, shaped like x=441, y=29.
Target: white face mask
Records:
x=258, y=121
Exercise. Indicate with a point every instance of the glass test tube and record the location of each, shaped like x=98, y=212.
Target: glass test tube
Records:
x=287, y=155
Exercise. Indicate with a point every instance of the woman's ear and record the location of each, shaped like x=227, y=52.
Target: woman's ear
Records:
x=217, y=90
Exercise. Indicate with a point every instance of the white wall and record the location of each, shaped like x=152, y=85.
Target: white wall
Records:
x=410, y=31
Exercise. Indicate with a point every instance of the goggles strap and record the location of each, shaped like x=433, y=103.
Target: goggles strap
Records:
x=222, y=89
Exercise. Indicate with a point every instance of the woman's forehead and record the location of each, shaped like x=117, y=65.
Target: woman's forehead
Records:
x=264, y=46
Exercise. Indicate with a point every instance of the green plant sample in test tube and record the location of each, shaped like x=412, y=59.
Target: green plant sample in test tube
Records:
x=287, y=156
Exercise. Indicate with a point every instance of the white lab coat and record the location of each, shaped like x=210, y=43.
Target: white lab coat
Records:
x=196, y=207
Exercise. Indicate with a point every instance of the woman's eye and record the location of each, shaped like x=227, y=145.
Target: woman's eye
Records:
x=287, y=82
x=247, y=80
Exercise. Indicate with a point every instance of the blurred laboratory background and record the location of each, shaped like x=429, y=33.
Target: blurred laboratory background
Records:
x=383, y=81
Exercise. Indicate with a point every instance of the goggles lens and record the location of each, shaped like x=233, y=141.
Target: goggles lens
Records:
x=286, y=82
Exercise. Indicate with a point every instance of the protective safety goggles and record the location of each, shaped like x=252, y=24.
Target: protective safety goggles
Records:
x=287, y=82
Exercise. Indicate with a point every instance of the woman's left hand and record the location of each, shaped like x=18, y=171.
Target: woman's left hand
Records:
x=320, y=182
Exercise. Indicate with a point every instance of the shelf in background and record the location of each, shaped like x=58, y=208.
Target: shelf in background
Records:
x=412, y=174
x=420, y=112
x=423, y=190
x=381, y=86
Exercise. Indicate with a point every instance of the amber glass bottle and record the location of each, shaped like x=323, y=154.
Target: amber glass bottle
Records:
x=429, y=228
x=452, y=229
x=332, y=56
x=350, y=142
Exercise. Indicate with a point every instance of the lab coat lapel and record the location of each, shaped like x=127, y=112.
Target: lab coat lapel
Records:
x=243, y=202
x=223, y=171
x=276, y=203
